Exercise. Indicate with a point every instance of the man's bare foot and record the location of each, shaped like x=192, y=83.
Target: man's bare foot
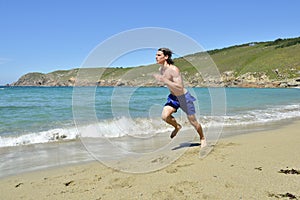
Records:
x=203, y=143
x=174, y=133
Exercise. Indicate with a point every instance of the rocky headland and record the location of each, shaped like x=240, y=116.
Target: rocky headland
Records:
x=226, y=79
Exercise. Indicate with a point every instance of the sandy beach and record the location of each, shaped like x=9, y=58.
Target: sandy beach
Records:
x=260, y=165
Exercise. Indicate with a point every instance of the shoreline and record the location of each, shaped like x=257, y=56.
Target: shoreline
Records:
x=245, y=85
x=245, y=166
x=79, y=151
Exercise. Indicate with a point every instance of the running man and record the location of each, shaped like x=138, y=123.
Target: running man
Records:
x=179, y=97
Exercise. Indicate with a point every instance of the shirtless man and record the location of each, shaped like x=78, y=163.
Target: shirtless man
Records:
x=179, y=96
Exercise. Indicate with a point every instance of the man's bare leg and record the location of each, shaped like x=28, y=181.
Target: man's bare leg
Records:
x=167, y=117
x=171, y=120
x=198, y=127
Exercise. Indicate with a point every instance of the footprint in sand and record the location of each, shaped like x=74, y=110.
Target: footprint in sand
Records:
x=185, y=188
x=121, y=183
x=173, y=170
x=162, y=195
x=159, y=159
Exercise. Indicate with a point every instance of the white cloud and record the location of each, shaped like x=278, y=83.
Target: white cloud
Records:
x=4, y=60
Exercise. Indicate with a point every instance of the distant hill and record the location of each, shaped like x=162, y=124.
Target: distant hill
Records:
x=256, y=64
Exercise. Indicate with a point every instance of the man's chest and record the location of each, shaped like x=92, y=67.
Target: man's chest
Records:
x=166, y=73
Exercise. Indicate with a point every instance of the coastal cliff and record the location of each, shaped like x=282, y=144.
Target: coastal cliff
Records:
x=257, y=64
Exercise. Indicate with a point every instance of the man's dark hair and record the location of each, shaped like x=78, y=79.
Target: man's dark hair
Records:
x=167, y=52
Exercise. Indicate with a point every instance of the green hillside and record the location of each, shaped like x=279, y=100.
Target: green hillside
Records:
x=282, y=55
x=262, y=63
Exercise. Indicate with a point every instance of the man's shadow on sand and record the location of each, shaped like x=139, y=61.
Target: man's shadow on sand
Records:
x=186, y=145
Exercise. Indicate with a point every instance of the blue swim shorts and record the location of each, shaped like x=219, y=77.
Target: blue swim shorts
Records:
x=185, y=102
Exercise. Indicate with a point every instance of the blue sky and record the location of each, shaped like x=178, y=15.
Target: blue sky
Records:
x=48, y=35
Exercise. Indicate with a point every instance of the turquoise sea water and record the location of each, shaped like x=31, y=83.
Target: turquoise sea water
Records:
x=43, y=122
x=35, y=114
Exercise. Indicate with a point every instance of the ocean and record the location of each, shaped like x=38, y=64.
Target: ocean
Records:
x=43, y=127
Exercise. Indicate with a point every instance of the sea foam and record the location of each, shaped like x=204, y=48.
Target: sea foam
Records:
x=148, y=127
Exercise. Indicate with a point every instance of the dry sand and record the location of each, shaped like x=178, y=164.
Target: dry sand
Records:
x=240, y=167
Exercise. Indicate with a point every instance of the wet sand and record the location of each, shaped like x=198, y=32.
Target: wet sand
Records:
x=260, y=165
